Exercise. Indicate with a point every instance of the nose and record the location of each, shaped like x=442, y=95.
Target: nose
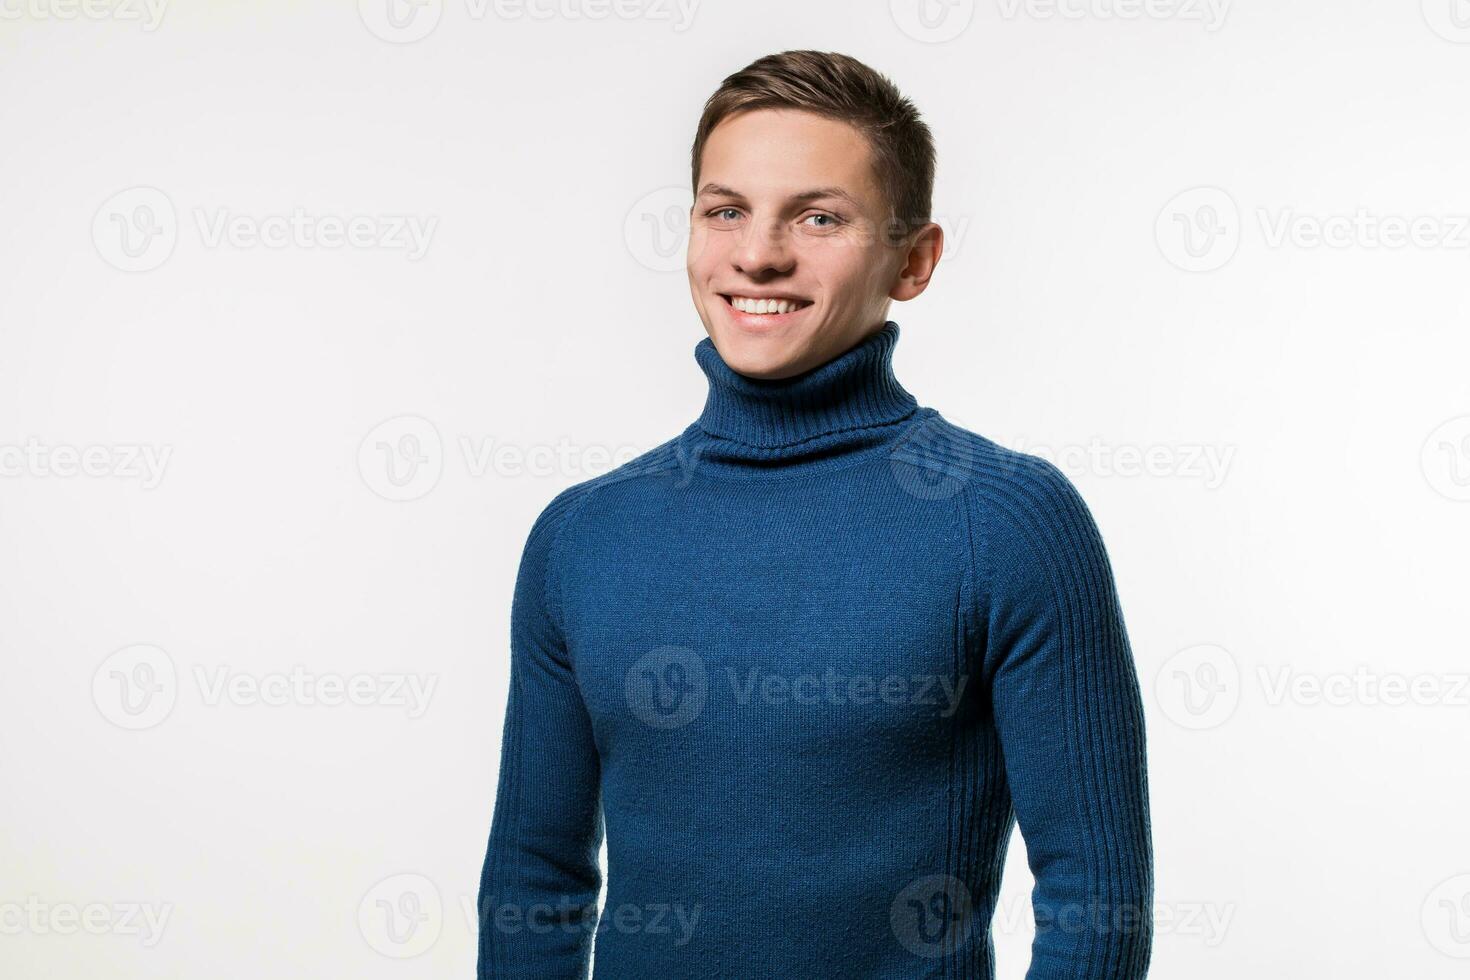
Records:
x=763, y=250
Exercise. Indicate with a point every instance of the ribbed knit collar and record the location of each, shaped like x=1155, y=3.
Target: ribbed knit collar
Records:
x=854, y=390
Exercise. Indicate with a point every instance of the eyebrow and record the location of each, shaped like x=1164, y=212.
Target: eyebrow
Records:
x=815, y=193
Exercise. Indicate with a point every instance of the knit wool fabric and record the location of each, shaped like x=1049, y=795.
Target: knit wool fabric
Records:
x=802, y=667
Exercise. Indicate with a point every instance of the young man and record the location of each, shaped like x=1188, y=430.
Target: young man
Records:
x=806, y=663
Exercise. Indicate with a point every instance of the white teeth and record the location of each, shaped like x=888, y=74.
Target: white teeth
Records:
x=747, y=305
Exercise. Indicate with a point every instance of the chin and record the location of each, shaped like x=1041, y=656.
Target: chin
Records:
x=765, y=356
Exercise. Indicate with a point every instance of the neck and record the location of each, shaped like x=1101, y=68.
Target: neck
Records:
x=848, y=404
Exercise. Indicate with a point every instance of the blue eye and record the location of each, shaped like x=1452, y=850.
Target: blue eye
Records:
x=830, y=217
x=717, y=211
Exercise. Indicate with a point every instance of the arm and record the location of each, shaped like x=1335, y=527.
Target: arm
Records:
x=1069, y=716
x=540, y=882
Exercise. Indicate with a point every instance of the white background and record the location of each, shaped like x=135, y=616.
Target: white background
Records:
x=1130, y=269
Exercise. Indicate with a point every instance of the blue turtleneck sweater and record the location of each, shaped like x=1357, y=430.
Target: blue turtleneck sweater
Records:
x=803, y=666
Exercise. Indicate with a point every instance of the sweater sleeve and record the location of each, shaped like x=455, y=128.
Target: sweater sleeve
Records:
x=1068, y=711
x=540, y=881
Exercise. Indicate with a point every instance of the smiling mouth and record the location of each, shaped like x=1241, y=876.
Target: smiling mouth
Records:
x=773, y=309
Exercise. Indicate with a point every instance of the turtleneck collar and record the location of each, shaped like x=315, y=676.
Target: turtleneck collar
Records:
x=854, y=390
x=836, y=414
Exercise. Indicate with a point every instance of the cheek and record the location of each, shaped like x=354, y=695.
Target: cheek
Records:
x=842, y=269
x=704, y=252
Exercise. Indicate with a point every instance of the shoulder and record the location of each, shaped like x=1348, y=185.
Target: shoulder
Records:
x=1019, y=507
x=991, y=476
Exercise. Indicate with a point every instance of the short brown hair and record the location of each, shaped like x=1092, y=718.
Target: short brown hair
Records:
x=838, y=87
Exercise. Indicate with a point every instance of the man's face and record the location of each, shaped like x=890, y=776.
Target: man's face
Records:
x=788, y=208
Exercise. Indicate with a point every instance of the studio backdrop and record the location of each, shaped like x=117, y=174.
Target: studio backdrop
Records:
x=308, y=310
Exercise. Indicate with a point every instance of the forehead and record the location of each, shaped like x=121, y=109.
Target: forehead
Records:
x=774, y=152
